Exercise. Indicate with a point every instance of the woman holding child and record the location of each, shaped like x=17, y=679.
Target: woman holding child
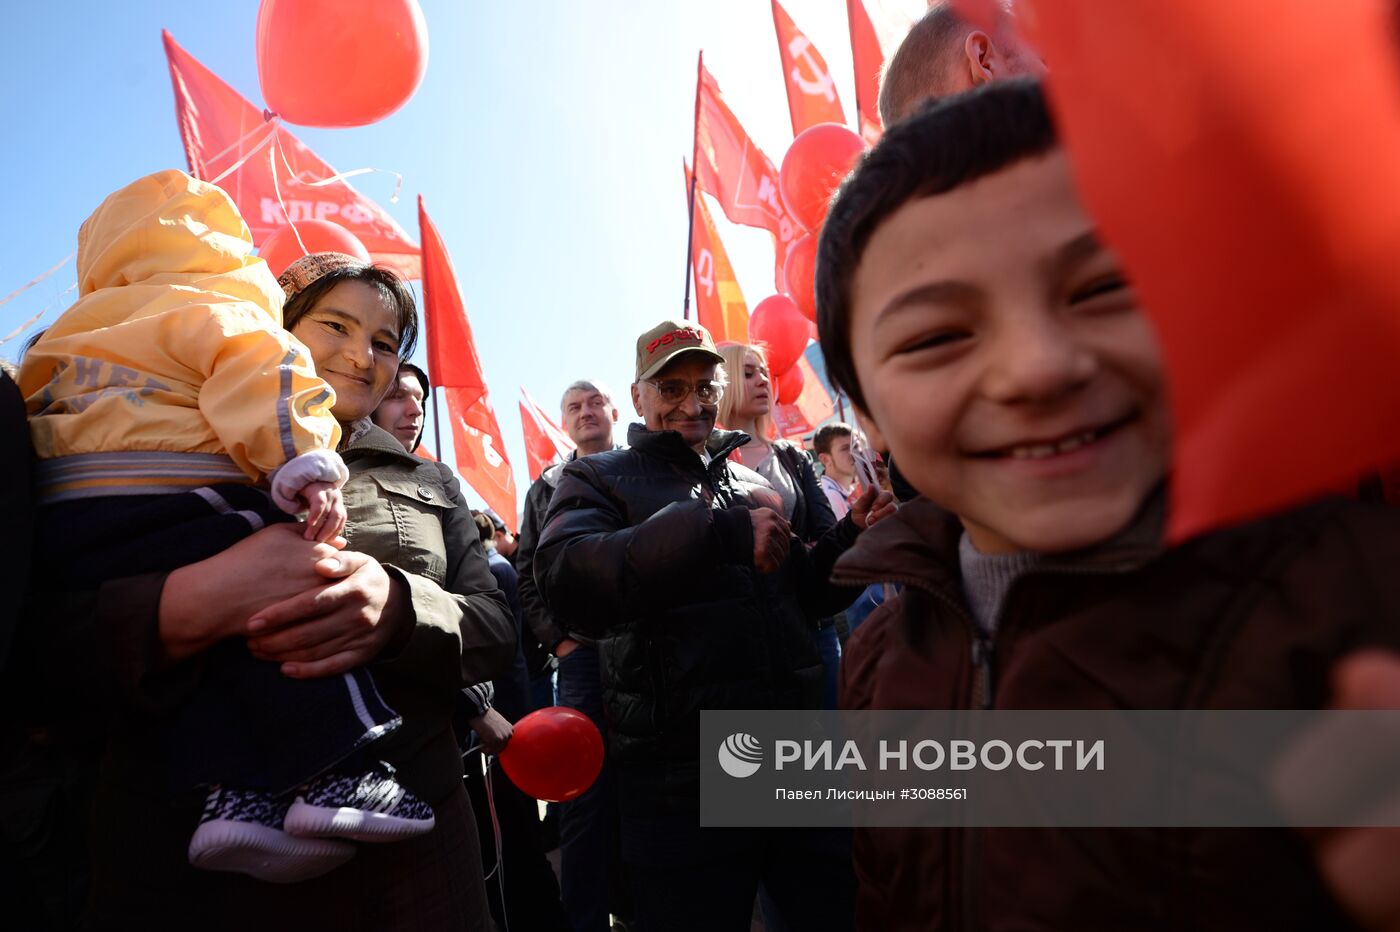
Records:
x=410, y=598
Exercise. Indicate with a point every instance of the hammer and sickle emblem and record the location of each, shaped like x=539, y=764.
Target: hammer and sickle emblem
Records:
x=823, y=85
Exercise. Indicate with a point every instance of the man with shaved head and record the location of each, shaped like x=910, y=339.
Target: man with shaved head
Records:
x=944, y=55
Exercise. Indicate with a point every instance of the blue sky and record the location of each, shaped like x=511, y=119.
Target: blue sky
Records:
x=546, y=138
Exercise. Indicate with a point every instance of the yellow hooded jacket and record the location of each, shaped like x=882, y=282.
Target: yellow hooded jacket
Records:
x=172, y=370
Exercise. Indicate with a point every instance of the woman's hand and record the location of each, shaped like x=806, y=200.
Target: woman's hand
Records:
x=871, y=505
x=205, y=602
x=334, y=627
x=494, y=730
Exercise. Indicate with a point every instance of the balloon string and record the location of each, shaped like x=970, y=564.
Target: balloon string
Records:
x=277, y=190
x=272, y=118
x=38, y=278
x=499, y=869
x=294, y=178
x=248, y=155
x=35, y=319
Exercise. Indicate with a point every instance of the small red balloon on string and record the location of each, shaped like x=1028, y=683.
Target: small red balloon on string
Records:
x=554, y=754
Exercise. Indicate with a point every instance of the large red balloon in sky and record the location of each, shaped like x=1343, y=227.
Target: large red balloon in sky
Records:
x=554, y=754
x=340, y=62
x=815, y=164
x=778, y=324
x=281, y=248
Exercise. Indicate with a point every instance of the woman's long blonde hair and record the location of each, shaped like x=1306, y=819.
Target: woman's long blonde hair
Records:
x=736, y=393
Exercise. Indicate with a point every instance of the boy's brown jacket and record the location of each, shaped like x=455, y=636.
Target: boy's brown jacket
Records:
x=1248, y=618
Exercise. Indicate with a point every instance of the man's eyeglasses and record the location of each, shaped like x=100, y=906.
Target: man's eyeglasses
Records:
x=674, y=391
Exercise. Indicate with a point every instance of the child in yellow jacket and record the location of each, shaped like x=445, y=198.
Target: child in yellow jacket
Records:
x=172, y=370
x=160, y=404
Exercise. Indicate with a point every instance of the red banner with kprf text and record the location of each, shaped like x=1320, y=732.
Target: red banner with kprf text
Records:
x=219, y=128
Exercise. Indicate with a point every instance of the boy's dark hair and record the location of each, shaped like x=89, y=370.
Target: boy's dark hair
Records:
x=824, y=438
x=952, y=142
x=388, y=283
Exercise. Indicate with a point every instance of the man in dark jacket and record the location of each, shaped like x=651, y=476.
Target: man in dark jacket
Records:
x=588, y=824
x=680, y=564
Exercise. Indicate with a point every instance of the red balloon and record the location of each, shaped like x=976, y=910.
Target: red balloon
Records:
x=790, y=385
x=340, y=62
x=554, y=754
x=800, y=272
x=281, y=248
x=780, y=326
x=815, y=164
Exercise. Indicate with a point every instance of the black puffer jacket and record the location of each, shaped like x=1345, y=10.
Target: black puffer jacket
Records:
x=651, y=552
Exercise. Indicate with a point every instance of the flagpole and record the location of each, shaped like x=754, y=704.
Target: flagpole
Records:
x=437, y=427
x=694, y=171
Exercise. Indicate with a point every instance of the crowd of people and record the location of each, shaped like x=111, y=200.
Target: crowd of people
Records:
x=222, y=714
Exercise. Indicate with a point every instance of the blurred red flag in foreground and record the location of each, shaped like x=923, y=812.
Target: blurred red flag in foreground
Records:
x=1250, y=186
x=811, y=92
x=737, y=174
x=454, y=366
x=219, y=127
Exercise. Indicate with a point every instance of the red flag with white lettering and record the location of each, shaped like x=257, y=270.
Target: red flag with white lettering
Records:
x=219, y=127
x=736, y=172
x=454, y=366
x=719, y=303
x=481, y=458
x=811, y=92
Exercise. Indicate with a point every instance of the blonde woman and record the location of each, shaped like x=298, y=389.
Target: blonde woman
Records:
x=747, y=405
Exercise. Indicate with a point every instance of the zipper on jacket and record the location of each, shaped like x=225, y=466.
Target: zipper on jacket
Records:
x=981, y=669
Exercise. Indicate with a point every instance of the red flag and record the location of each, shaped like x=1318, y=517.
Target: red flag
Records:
x=812, y=407
x=868, y=58
x=219, y=127
x=1259, y=220
x=873, y=39
x=453, y=364
x=539, y=449
x=481, y=457
x=737, y=173
x=563, y=443
x=452, y=358
x=811, y=92
x=719, y=303
x=545, y=441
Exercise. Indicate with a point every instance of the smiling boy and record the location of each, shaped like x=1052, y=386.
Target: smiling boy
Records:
x=976, y=321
